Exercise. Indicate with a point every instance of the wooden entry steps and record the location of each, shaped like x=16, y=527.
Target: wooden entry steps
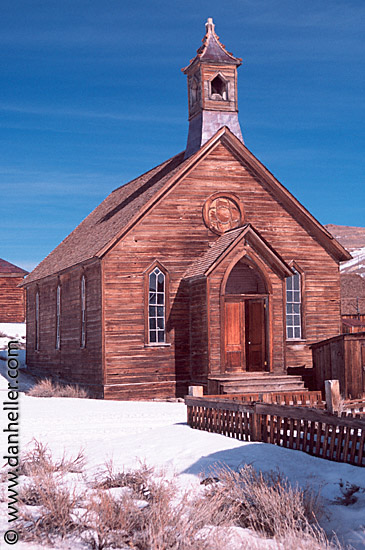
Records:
x=254, y=383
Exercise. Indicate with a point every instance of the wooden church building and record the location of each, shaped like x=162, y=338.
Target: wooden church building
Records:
x=204, y=269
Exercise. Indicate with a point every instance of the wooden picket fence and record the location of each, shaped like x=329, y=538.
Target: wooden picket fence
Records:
x=297, y=398
x=313, y=431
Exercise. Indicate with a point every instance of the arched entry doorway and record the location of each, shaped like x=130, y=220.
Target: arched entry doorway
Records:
x=245, y=319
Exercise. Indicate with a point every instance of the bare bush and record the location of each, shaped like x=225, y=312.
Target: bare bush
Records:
x=267, y=503
x=55, y=519
x=168, y=519
x=138, y=480
x=38, y=461
x=108, y=522
x=47, y=388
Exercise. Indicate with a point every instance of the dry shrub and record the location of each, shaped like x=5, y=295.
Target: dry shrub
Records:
x=109, y=522
x=38, y=460
x=138, y=480
x=47, y=388
x=267, y=502
x=169, y=520
x=55, y=519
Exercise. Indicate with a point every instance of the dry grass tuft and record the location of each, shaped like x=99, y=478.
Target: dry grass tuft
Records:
x=166, y=519
x=108, y=522
x=138, y=480
x=267, y=503
x=38, y=461
x=47, y=388
x=55, y=518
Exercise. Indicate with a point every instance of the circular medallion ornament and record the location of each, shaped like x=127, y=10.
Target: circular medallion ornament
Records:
x=223, y=212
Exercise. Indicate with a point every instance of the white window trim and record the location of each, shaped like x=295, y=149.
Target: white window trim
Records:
x=293, y=302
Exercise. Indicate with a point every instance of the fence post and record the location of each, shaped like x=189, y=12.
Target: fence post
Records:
x=255, y=425
x=333, y=397
x=195, y=391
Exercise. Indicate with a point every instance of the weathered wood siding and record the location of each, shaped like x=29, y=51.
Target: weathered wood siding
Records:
x=173, y=232
x=341, y=358
x=71, y=362
x=199, y=330
x=12, y=299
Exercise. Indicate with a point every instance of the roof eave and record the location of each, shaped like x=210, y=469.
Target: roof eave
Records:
x=328, y=241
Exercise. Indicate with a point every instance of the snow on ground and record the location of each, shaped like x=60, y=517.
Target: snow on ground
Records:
x=12, y=331
x=356, y=264
x=157, y=433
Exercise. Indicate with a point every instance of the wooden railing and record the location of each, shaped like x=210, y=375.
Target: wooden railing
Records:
x=312, y=431
x=297, y=398
x=355, y=406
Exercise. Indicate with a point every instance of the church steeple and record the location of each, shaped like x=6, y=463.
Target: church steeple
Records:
x=212, y=91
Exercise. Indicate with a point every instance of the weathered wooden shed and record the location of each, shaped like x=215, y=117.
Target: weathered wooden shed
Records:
x=203, y=270
x=12, y=296
x=341, y=358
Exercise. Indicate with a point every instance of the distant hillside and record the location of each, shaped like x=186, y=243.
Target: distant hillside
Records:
x=350, y=237
x=353, y=239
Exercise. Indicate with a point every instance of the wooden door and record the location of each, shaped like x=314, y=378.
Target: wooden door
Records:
x=255, y=335
x=234, y=336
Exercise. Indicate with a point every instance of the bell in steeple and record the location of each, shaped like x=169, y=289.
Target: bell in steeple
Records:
x=212, y=91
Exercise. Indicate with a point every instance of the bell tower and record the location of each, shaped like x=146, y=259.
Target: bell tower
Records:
x=212, y=91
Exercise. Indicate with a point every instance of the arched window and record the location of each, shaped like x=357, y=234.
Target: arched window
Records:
x=36, y=321
x=156, y=306
x=294, y=307
x=194, y=89
x=218, y=88
x=58, y=317
x=83, y=312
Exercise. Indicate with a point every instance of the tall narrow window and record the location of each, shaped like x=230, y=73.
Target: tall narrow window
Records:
x=293, y=307
x=156, y=307
x=58, y=317
x=83, y=312
x=36, y=317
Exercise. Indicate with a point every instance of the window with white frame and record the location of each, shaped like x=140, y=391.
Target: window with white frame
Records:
x=36, y=318
x=58, y=317
x=156, y=306
x=293, y=307
x=83, y=312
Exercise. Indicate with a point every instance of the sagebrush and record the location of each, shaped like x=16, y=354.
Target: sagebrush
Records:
x=47, y=388
x=145, y=510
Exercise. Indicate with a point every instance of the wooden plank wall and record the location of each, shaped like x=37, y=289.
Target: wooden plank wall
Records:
x=70, y=362
x=199, y=331
x=341, y=359
x=12, y=299
x=174, y=234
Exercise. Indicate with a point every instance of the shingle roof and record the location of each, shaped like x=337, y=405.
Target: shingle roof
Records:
x=117, y=212
x=106, y=221
x=212, y=50
x=204, y=262
x=7, y=267
x=202, y=265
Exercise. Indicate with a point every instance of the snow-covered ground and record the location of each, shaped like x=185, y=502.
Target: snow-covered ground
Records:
x=14, y=331
x=356, y=264
x=157, y=433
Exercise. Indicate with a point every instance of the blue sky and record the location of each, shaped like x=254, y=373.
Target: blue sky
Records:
x=91, y=96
